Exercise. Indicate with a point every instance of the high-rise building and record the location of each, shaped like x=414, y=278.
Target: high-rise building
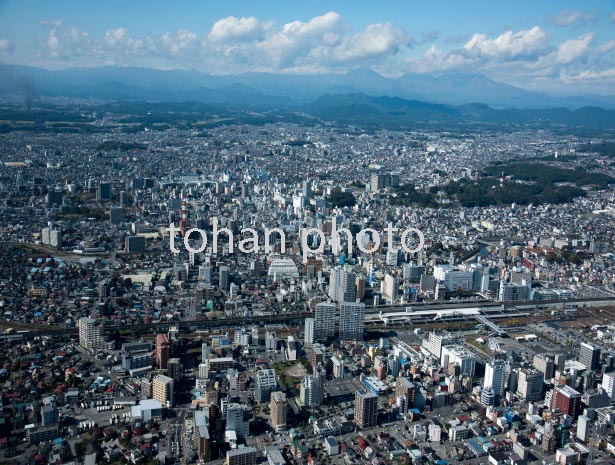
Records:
x=116, y=215
x=352, y=321
x=308, y=332
x=435, y=341
x=136, y=355
x=55, y=197
x=266, y=383
x=544, y=363
x=135, y=244
x=163, y=351
x=494, y=377
x=49, y=411
x=55, y=238
x=277, y=411
x=312, y=389
x=529, y=385
x=237, y=420
x=459, y=356
x=338, y=366
x=589, y=355
x=487, y=396
x=567, y=401
x=342, y=285
x=201, y=435
x=513, y=292
x=174, y=369
x=103, y=192
x=162, y=390
x=390, y=288
x=204, y=351
x=224, y=278
x=90, y=334
x=124, y=199
x=324, y=321
x=365, y=409
x=608, y=384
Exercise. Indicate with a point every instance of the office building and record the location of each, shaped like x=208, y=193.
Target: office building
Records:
x=513, y=292
x=352, y=321
x=266, y=383
x=545, y=364
x=390, y=288
x=608, y=384
x=224, y=278
x=134, y=244
x=589, y=355
x=567, y=401
x=459, y=356
x=237, y=420
x=365, y=409
x=494, y=377
x=434, y=343
x=103, y=192
x=529, y=385
x=116, y=215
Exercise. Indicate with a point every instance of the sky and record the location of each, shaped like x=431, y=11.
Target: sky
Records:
x=559, y=46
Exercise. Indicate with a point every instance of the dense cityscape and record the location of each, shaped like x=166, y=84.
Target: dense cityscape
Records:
x=492, y=343
x=249, y=233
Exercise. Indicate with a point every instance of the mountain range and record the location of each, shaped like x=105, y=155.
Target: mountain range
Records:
x=130, y=83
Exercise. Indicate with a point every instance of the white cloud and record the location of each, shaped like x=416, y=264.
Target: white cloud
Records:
x=573, y=49
x=606, y=47
x=179, y=42
x=508, y=44
x=377, y=40
x=232, y=28
x=605, y=74
x=115, y=37
x=67, y=43
x=326, y=43
x=571, y=17
x=294, y=41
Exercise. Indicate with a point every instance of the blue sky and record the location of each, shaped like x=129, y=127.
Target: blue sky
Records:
x=556, y=45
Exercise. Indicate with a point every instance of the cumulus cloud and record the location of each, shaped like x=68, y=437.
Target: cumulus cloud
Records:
x=326, y=43
x=232, y=28
x=571, y=17
x=67, y=43
x=376, y=41
x=508, y=44
x=573, y=49
x=291, y=45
